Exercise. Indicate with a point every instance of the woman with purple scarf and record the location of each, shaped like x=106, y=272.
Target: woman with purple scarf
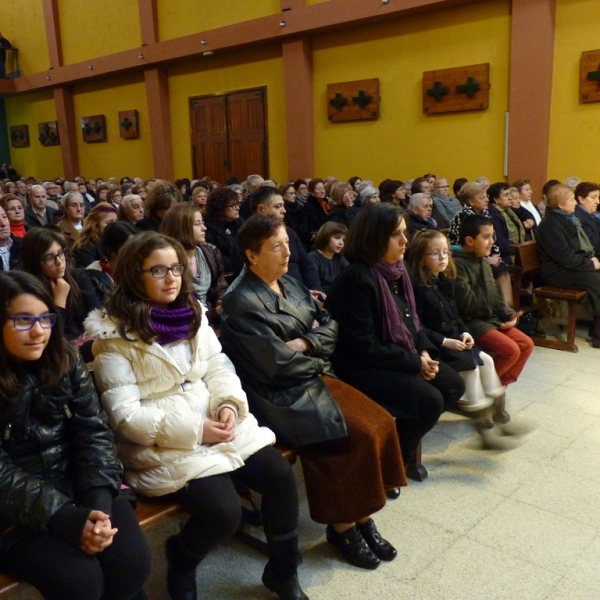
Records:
x=182, y=419
x=383, y=350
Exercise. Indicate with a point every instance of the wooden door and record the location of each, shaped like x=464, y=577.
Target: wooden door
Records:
x=229, y=135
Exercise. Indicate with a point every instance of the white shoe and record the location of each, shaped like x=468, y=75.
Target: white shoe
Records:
x=481, y=404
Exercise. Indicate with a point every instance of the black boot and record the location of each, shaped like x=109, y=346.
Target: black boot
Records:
x=380, y=547
x=280, y=575
x=353, y=546
x=181, y=569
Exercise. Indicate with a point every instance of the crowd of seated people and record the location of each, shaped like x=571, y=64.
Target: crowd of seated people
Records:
x=332, y=344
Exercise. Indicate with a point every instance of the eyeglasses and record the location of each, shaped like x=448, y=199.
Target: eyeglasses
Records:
x=26, y=322
x=15, y=209
x=50, y=258
x=438, y=255
x=76, y=205
x=235, y=205
x=160, y=272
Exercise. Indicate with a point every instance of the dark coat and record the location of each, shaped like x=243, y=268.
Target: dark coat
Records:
x=57, y=455
x=353, y=301
x=73, y=319
x=315, y=217
x=341, y=213
x=417, y=223
x=285, y=389
x=479, y=302
x=436, y=307
x=563, y=262
x=218, y=285
x=102, y=283
x=525, y=215
x=501, y=232
x=216, y=234
x=591, y=226
x=85, y=255
x=31, y=219
x=300, y=266
x=148, y=224
x=295, y=217
x=14, y=260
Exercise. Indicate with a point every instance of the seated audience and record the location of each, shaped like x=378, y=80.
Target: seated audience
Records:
x=161, y=196
x=102, y=192
x=114, y=197
x=368, y=195
x=491, y=321
x=280, y=341
x=523, y=214
x=507, y=226
x=185, y=224
x=45, y=255
x=327, y=256
x=567, y=255
x=200, y=198
x=15, y=211
x=37, y=214
x=394, y=191
x=526, y=193
x=383, y=350
x=87, y=248
x=131, y=209
x=72, y=207
x=587, y=195
x=68, y=527
x=457, y=186
x=101, y=272
x=295, y=217
x=422, y=185
x=175, y=402
x=446, y=204
x=342, y=204
x=10, y=246
x=301, y=188
x=222, y=223
x=419, y=214
x=316, y=209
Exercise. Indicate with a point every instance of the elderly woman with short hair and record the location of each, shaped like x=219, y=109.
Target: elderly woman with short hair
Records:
x=419, y=214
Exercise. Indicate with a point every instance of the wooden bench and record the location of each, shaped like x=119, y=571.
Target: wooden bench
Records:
x=153, y=511
x=527, y=260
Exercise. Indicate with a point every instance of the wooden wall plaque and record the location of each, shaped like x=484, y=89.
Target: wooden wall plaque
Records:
x=93, y=129
x=19, y=136
x=456, y=89
x=589, y=76
x=353, y=101
x=129, y=124
x=48, y=133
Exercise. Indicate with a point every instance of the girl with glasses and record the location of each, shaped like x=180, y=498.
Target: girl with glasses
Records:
x=434, y=272
x=61, y=503
x=177, y=405
x=45, y=255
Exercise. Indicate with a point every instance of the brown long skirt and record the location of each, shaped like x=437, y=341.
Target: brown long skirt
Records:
x=346, y=479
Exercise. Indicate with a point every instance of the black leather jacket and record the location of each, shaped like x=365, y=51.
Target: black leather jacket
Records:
x=57, y=455
x=284, y=387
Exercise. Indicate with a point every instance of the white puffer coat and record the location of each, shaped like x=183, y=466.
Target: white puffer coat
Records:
x=157, y=411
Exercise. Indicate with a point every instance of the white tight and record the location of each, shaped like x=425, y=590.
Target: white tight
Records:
x=482, y=381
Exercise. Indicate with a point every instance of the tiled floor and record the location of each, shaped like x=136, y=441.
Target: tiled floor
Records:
x=518, y=525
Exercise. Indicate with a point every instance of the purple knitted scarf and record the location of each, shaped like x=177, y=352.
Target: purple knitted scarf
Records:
x=172, y=324
x=394, y=329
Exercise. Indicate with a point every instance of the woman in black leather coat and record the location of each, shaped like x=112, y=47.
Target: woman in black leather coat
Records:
x=60, y=479
x=280, y=341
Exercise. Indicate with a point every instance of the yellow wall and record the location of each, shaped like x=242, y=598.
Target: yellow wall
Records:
x=574, y=127
x=37, y=160
x=220, y=74
x=23, y=26
x=116, y=157
x=404, y=143
x=184, y=17
x=98, y=27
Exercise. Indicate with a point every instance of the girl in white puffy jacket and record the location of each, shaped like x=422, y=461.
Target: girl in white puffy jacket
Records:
x=181, y=417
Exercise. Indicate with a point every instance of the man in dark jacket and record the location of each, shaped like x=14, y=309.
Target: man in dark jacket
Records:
x=587, y=195
x=10, y=246
x=37, y=214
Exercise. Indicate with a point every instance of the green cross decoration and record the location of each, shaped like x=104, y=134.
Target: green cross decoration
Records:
x=339, y=101
x=17, y=135
x=468, y=88
x=87, y=129
x=362, y=99
x=594, y=76
x=126, y=124
x=437, y=91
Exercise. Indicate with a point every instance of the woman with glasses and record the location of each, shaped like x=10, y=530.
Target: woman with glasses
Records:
x=177, y=405
x=223, y=222
x=45, y=255
x=114, y=197
x=72, y=206
x=15, y=211
x=383, y=349
x=61, y=504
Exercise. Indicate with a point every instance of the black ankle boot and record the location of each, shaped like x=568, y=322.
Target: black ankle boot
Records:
x=382, y=548
x=280, y=575
x=181, y=570
x=286, y=590
x=353, y=546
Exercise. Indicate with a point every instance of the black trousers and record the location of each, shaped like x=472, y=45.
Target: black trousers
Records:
x=417, y=404
x=60, y=571
x=215, y=505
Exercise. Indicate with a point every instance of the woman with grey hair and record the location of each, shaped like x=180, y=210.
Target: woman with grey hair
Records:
x=368, y=195
x=131, y=209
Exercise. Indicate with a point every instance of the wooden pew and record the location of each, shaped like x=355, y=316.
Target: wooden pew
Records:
x=527, y=260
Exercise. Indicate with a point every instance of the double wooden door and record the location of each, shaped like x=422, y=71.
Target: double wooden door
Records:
x=229, y=137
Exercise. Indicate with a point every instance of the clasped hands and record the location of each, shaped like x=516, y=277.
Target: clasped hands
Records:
x=98, y=533
x=466, y=342
x=223, y=430
x=429, y=367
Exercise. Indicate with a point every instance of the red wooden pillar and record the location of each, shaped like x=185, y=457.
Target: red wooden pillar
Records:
x=531, y=66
